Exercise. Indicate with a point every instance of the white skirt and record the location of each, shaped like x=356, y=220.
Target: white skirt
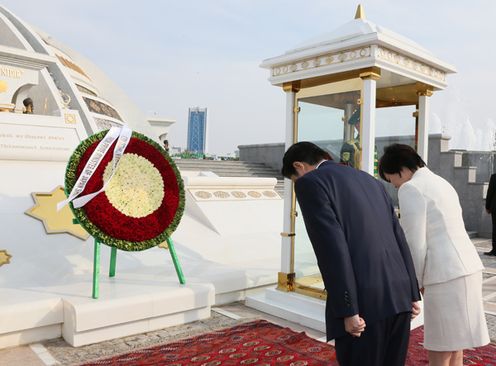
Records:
x=454, y=315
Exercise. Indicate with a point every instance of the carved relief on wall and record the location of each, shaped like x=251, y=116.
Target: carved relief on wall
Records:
x=101, y=108
x=71, y=65
x=409, y=63
x=105, y=124
x=221, y=194
x=214, y=194
x=357, y=54
x=238, y=194
x=324, y=60
x=203, y=194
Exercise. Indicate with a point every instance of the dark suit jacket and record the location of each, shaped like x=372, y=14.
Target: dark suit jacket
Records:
x=491, y=194
x=360, y=247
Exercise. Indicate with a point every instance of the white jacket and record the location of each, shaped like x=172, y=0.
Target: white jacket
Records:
x=432, y=220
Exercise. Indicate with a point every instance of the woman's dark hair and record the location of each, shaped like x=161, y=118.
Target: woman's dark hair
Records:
x=397, y=157
x=305, y=152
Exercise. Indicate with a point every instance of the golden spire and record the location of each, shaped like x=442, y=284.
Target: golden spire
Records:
x=360, y=13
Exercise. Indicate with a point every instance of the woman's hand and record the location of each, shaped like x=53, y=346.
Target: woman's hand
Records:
x=415, y=309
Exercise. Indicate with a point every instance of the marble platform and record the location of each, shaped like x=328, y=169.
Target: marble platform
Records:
x=228, y=248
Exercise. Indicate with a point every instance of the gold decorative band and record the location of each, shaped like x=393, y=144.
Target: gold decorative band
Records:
x=373, y=73
x=426, y=93
x=287, y=235
x=285, y=281
x=293, y=86
x=370, y=75
x=424, y=89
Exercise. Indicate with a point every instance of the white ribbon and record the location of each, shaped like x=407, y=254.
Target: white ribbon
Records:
x=124, y=135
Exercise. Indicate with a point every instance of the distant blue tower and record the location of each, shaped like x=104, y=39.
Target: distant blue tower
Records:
x=197, y=129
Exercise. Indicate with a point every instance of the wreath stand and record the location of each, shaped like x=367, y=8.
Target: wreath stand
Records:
x=75, y=184
x=113, y=259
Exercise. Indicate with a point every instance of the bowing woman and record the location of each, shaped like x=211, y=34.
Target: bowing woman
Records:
x=448, y=268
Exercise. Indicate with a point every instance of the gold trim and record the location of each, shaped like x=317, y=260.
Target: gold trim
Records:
x=293, y=86
x=306, y=286
x=311, y=292
x=360, y=13
x=337, y=87
x=424, y=89
x=328, y=79
x=399, y=95
x=373, y=73
x=285, y=281
x=425, y=93
x=287, y=235
x=292, y=216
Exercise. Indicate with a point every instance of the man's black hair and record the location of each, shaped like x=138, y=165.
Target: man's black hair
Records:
x=397, y=157
x=305, y=152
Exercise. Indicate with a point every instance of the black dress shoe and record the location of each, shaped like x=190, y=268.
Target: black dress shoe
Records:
x=492, y=253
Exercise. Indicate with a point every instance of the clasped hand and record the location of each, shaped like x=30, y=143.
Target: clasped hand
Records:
x=354, y=325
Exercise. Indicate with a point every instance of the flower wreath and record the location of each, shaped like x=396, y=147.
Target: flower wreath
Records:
x=143, y=202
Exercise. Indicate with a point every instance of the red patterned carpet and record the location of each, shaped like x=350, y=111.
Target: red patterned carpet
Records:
x=417, y=355
x=263, y=343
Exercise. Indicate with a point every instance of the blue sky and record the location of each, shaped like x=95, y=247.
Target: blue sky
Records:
x=171, y=55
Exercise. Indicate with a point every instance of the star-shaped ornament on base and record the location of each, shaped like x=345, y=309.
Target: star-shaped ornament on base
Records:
x=4, y=257
x=55, y=221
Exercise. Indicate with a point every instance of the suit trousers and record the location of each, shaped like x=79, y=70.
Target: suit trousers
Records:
x=384, y=343
x=493, y=217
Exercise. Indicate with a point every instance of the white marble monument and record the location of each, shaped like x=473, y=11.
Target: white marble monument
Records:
x=227, y=242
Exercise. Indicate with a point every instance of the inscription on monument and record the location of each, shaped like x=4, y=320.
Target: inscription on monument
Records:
x=10, y=72
x=23, y=142
x=14, y=78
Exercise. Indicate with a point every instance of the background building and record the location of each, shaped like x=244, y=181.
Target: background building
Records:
x=197, y=129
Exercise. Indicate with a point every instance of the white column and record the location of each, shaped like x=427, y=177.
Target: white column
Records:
x=368, y=122
x=423, y=125
x=286, y=241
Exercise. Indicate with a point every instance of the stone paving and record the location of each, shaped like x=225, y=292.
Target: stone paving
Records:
x=484, y=245
x=491, y=325
x=68, y=355
x=64, y=354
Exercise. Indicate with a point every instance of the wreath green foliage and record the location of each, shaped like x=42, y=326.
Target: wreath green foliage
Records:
x=92, y=229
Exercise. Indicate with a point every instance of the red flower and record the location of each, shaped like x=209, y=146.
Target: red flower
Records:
x=106, y=222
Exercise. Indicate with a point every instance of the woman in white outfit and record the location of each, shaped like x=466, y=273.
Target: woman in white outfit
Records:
x=449, y=270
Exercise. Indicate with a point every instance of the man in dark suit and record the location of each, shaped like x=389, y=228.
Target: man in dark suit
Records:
x=491, y=209
x=362, y=254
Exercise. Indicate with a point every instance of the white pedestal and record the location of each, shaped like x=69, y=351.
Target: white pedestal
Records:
x=297, y=308
x=301, y=309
